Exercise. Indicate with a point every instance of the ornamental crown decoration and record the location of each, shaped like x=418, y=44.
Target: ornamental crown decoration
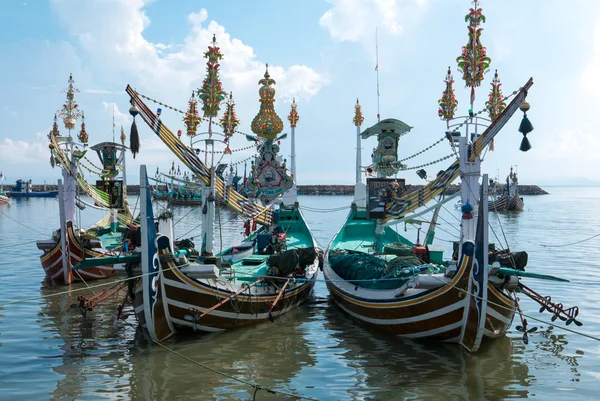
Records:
x=70, y=112
x=448, y=103
x=229, y=121
x=267, y=123
x=54, y=132
x=191, y=118
x=473, y=60
x=211, y=93
x=293, y=116
x=358, y=117
x=83, y=135
x=495, y=104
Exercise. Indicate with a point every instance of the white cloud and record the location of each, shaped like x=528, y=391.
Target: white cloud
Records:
x=33, y=155
x=355, y=20
x=113, y=37
x=120, y=117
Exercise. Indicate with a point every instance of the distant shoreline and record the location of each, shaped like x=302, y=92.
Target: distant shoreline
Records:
x=330, y=189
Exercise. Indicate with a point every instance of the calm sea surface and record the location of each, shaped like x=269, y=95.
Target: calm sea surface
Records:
x=50, y=351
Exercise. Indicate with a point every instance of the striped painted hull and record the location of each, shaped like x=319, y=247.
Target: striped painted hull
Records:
x=500, y=313
x=438, y=314
x=186, y=298
x=53, y=267
x=503, y=204
x=3, y=199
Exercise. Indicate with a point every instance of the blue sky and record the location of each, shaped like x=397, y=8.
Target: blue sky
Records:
x=320, y=52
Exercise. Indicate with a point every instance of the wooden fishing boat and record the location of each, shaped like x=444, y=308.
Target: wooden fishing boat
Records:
x=212, y=295
x=384, y=280
x=69, y=246
x=209, y=297
x=23, y=189
x=182, y=192
x=509, y=200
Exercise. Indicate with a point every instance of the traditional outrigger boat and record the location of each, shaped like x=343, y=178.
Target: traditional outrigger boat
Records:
x=69, y=246
x=384, y=280
x=509, y=200
x=212, y=295
x=178, y=191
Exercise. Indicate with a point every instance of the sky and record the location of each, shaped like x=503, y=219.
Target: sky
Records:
x=322, y=53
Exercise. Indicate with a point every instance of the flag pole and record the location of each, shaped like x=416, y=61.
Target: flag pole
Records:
x=377, y=71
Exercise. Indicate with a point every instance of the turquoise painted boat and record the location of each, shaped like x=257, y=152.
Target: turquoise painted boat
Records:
x=277, y=271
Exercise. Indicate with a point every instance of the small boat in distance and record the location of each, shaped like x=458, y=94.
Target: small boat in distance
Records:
x=24, y=189
x=509, y=200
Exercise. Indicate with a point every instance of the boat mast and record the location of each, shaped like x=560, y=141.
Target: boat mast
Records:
x=211, y=94
x=293, y=119
x=377, y=71
x=359, y=187
x=70, y=113
x=473, y=62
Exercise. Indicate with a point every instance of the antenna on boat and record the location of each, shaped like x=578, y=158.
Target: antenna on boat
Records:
x=113, y=119
x=377, y=71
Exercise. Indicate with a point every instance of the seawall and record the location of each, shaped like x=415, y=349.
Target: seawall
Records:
x=332, y=189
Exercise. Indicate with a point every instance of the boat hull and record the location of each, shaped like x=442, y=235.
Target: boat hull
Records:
x=48, y=194
x=186, y=299
x=3, y=199
x=51, y=261
x=503, y=204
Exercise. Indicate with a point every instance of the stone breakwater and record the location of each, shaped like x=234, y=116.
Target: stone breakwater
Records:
x=452, y=189
x=334, y=189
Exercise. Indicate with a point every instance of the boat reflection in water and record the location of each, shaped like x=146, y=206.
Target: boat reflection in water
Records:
x=377, y=365
x=272, y=355
x=93, y=349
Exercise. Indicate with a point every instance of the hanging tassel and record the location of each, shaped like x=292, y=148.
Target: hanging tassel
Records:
x=253, y=225
x=52, y=162
x=492, y=145
x=134, y=138
x=526, y=127
x=525, y=145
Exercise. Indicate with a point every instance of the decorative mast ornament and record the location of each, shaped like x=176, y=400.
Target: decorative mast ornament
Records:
x=495, y=104
x=212, y=93
x=123, y=136
x=83, y=135
x=358, y=116
x=473, y=60
x=269, y=178
x=448, y=102
x=70, y=112
x=54, y=132
x=293, y=117
x=229, y=122
x=191, y=119
x=267, y=123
